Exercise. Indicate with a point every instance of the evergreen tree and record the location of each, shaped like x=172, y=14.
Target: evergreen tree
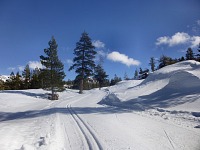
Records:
x=36, y=79
x=181, y=59
x=10, y=81
x=126, y=76
x=14, y=82
x=2, y=85
x=100, y=75
x=18, y=81
x=53, y=73
x=189, y=54
x=83, y=62
x=115, y=80
x=198, y=53
x=140, y=72
x=26, y=74
x=152, y=63
x=165, y=61
x=136, y=74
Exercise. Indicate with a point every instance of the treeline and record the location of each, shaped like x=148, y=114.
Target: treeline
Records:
x=166, y=60
x=88, y=74
x=51, y=76
x=29, y=79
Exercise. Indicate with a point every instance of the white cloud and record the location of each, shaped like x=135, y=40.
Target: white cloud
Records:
x=11, y=68
x=195, y=40
x=178, y=39
x=122, y=58
x=34, y=64
x=98, y=44
x=198, y=22
x=21, y=68
x=68, y=61
x=101, y=53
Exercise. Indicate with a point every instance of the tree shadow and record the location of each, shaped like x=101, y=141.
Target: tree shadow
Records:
x=26, y=93
x=8, y=116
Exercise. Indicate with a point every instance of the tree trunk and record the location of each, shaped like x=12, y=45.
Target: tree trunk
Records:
x=81, y=86
x=52, y=93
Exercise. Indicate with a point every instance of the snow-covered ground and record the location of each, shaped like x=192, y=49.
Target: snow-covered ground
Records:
x=159, y=113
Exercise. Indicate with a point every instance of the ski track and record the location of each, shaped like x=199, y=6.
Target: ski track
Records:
x=92, y=141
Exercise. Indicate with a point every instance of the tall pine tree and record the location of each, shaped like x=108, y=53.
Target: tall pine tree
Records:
x=189, y=54
x=152, y=63
x=83, y=62
x=26, y=74
x=53, y=72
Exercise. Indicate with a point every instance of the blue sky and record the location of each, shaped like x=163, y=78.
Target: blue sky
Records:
x=127, y=33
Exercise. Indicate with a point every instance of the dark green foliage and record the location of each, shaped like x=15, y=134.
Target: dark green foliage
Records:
x=140, y=72
x=126, y=76
x=2, y=87
x=53, y=73
x=152, y=63
x=100, y=75
x=36, y=79
x=14, y=82
x=189, y=54
x=26, y=74
x=165, y=61
x=181, y=59
x=198, y=53
x=115, y=80
x=136, y=74
x=83, y=62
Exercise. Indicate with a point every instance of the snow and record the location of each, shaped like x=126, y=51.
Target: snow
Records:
x=160, y=112
x=4, y=77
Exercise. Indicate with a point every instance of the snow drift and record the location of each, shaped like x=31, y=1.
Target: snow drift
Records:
x=175, y=86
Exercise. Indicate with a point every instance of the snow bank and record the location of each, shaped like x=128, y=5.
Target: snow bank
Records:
x=172, y=87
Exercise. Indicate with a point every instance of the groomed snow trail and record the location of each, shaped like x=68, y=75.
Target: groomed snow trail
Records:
x=90, y=137
x=77, y=122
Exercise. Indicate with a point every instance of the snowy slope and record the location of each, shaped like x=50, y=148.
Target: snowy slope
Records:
x=163, y=113
x=175, y=86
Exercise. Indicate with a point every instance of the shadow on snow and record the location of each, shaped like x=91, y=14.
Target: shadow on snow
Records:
x=8, y=116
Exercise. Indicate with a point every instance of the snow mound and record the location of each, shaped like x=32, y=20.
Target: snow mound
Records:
x=172, y=87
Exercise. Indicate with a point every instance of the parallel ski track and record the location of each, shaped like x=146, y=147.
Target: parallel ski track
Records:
x=92, y=141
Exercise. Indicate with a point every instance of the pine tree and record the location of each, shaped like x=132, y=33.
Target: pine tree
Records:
x=152, y=64
x=53, y=73
x=14, y=82
x=26, y=74
x=100, y=75
x=10, y=82
x=2, y=87
x=136, y=74
x=18, y=81
x=126, y=76
x=83, y=62
x=140, y=72
x=115, y=80
x=36, y=79
x=198, y=53
x=189, y=54
x=164, y=61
